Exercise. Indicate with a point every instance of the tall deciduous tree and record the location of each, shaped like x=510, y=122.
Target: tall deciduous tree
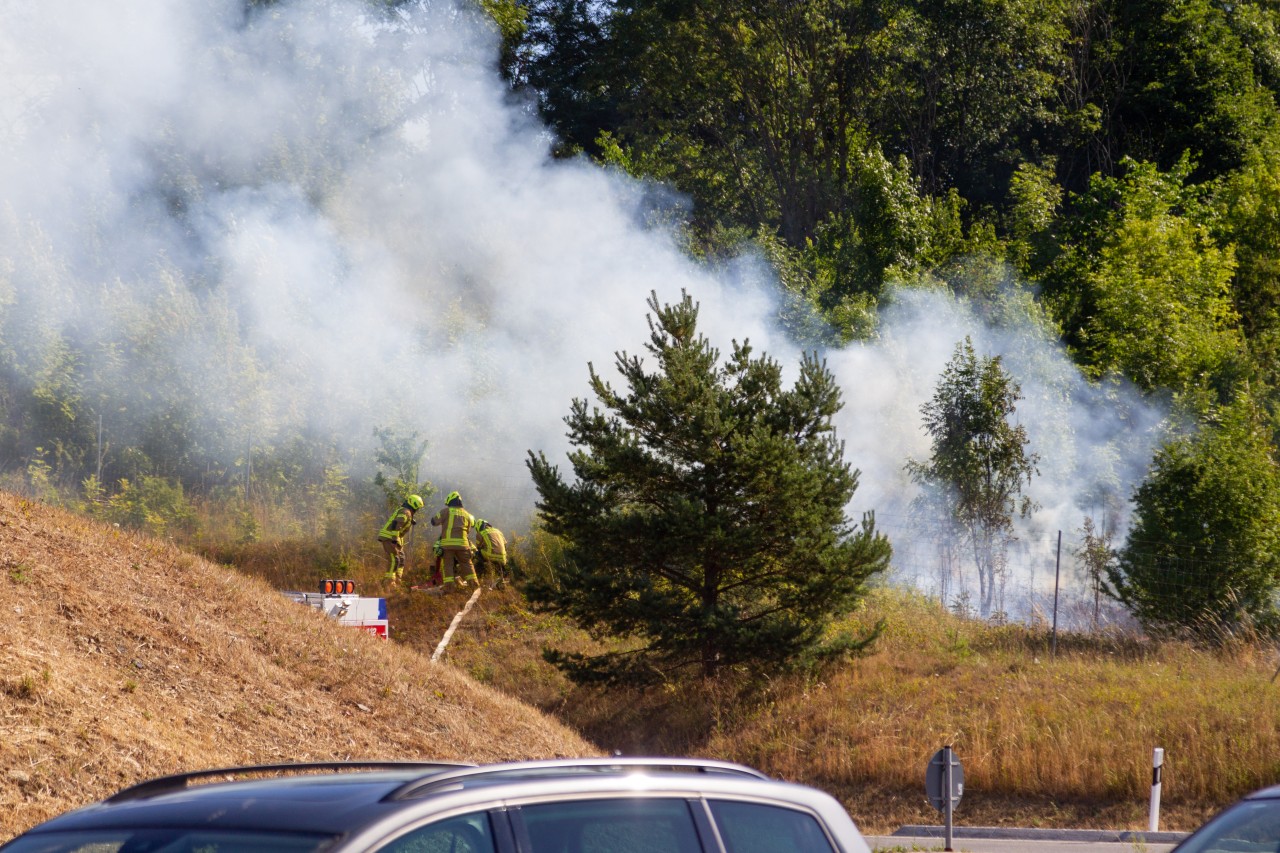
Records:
x=1162, y=290
x=759, y=112
x=706, y=525
x=1250, y=203
x=566, y=57
x=1185, y=83
x=1203, y=555
x=1142, y=288
x=968, y=83
x=980, y=460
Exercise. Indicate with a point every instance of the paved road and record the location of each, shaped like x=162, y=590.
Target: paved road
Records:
x=980, y=840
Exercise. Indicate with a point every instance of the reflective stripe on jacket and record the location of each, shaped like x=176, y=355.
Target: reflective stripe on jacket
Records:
x=455, y=526
x=397, y=525
x=493, y=545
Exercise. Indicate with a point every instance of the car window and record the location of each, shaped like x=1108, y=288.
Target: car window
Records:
x=632, y=825
x=464, y=834
x=1249, y=827
x=760, y=828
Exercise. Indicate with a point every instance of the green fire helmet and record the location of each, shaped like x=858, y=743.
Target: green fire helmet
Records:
x=453, y=496
x=413, y=502
x=481, y=524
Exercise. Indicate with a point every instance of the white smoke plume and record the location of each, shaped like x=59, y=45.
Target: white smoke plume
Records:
x=358, y=206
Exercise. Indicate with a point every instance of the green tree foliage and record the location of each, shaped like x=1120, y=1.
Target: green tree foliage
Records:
x=1079, y=136
x=979, y=461
x=758, y=112
x=399, y=459
x=1035, y=204
x=1201, y=558
x=1184, y=82
x=1164, y=316
x=968, y=84
x=1257, y=25
x=1250, y=221
x=326, y=498
x=1140, y=286
x=1096, y=555
x=706, y=526
x=153, y=504
x=564, y=55
x=855, y=141
x=1160, y=79
x=773, y=112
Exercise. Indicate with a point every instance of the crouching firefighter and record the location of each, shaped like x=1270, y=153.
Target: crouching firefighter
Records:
x=491, y=550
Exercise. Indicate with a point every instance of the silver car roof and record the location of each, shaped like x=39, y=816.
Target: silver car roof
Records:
x=459, y=795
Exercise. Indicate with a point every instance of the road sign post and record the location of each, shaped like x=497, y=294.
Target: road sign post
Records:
x=944, y=783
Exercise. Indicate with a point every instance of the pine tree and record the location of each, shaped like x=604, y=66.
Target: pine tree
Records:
x=706, y=526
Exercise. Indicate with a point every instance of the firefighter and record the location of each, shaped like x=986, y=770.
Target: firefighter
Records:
x=491, y=550
x=392, y=536
x=455, y=525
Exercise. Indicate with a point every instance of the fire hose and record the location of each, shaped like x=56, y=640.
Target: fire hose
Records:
x=453, y=626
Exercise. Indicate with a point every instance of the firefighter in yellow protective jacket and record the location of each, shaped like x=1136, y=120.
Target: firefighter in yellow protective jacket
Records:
x=392, y=536
x=491, y=550
x=455, y=525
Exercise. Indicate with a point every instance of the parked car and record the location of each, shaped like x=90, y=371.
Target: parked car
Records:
x=590, y=805
x=1251, y=824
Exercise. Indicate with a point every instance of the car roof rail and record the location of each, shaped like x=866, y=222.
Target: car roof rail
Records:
x=570, y=766
x=178, y=781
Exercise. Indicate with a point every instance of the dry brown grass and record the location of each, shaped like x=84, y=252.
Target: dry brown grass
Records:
x=1062, y=742
x=127, y=658
x=1044, y=741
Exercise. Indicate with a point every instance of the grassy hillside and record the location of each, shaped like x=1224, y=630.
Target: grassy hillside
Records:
x=127, y=658
x=1053, y=742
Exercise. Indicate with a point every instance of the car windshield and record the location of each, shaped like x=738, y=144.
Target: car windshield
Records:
x=198, y=840
x=1252, y=826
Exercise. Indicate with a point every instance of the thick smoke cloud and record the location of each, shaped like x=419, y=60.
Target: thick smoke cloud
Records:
x=328, y=222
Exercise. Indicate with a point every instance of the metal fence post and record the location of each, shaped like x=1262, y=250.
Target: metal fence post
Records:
x=1057, y=574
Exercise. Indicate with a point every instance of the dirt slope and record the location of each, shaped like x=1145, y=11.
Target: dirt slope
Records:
x=125, y=658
